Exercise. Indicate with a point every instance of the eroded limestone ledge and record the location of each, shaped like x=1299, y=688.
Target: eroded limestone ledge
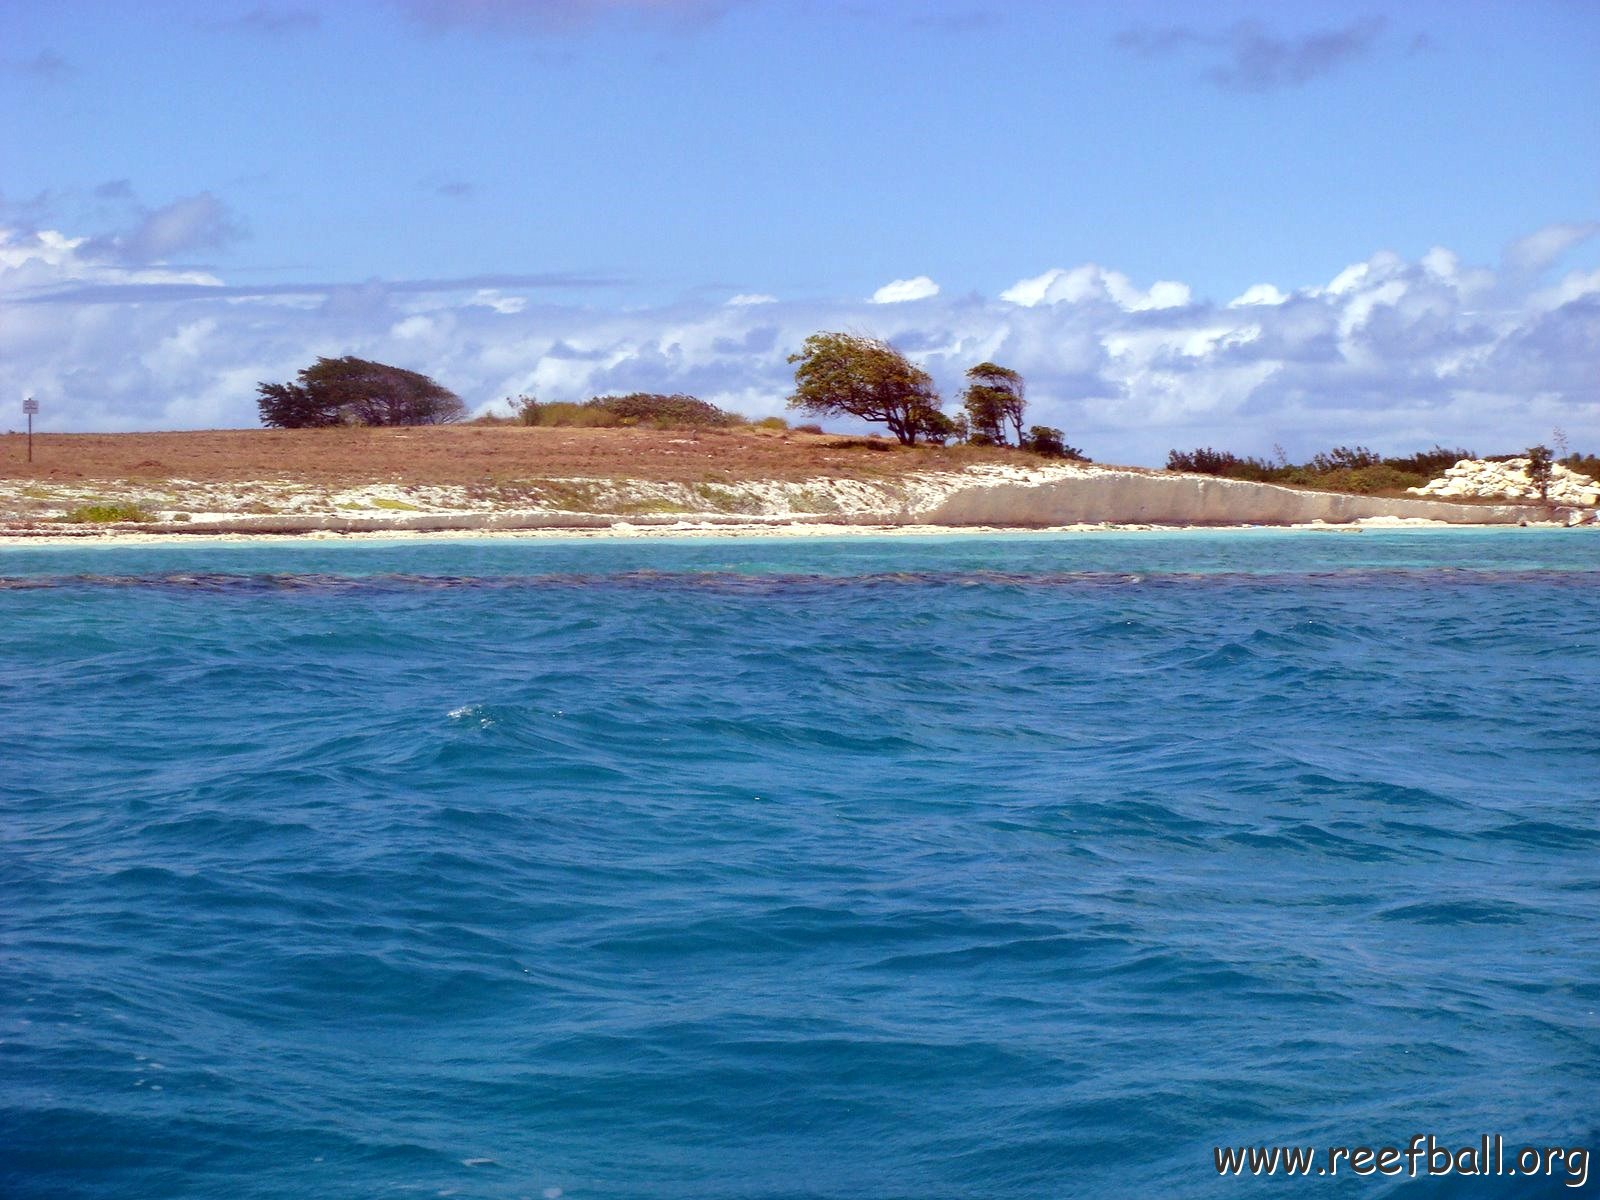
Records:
x=1138, y=498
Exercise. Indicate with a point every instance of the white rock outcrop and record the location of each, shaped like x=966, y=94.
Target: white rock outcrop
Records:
x=1487, y=480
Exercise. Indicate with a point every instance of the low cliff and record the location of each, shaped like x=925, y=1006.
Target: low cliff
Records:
x=996, y=495
x=1131, y=497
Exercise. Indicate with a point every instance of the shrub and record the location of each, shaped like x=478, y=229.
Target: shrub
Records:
x=565, y=414
x=1046, y=440
x=1343, y=469
x=934, y=426
x=772, y=423
x=649, y=409
x=105, y=514
x=666, y=412
x=1206, y=461
x=1344, y=458
x=1366, y=481
x=1429, y=463
x=1583, y=464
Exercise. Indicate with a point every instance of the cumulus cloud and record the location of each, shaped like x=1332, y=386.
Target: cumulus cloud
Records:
x=1090, y=284
x=1258, y=293
x=1391, y=352
x=1248, y=58
x=189, y=224
x=545, y=17
x=898, y=291
x=1542, y=248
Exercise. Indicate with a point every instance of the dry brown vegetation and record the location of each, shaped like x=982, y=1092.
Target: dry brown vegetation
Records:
x=468, y=454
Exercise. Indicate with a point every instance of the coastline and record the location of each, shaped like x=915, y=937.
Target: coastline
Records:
x=986, y=499
x=685, y=531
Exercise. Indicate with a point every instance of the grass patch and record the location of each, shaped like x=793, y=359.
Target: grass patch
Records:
x=819, y=501
x=395, y=505
x=726, y=500
x=642, y=508
x=108, y=514
x=566, y=495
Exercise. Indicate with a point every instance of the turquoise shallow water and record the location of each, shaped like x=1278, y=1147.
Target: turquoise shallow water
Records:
x=1010, y=867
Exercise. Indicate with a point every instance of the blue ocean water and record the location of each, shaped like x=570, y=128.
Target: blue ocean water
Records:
x=1024, y=866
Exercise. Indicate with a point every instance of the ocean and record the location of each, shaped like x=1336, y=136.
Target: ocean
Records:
x=1007, y=866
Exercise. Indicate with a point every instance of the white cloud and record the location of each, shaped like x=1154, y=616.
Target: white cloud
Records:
x=413, y=328
x=1574, y=286
x=901, y=290
x=1258, y=293
x=1090, y=283
x=747, y=298
x=1543, y=247
x=188, y=224
x=492, y=299
x=1393, y=353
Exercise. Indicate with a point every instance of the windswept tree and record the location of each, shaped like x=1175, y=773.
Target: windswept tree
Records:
x=1540, y=468
x=994, y=401
x=841, y=374
x=353, y=391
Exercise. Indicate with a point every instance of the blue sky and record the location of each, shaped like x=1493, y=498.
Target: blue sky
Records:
x=563, y=197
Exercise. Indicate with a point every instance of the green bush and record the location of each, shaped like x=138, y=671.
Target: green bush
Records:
x=1354, y=469
x=566, y=414
x=1046, y=440
x=665, y=412
x=1365, y=481
x=1583, y=464
x=1344, y=458
x=110, y=513
x=772, y=423
x=649, y=409
x=1206, y=461
x=1429, y=463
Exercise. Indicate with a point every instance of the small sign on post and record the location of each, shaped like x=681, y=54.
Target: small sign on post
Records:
x=30, y=406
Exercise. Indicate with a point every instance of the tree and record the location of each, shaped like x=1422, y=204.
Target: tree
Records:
x=935, y=426
x=290, y=406
x=994, y=399
x=1046, y=440
x=1540, y=469
x=353, y=391
x=841, y=374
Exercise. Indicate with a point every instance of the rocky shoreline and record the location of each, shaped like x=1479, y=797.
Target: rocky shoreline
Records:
x=987, y=496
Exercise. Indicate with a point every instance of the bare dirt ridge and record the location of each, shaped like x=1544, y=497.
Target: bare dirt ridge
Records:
x=472, y=454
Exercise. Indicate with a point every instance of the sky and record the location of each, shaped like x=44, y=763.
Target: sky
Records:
x=1255, y=226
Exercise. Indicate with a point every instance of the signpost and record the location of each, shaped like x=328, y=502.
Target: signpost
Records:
x=30, y=406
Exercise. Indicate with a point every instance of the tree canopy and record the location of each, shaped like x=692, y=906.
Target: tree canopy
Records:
x=847, y=375
x=993, y=400
x=1540, y=469
x=353, y=391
